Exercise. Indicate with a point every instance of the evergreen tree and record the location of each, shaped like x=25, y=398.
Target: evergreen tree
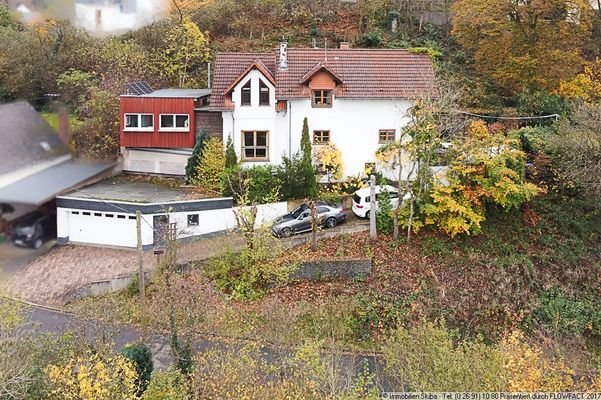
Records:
x=231, y=160
x=194, y=160
x=307, y=170
x=306, y=143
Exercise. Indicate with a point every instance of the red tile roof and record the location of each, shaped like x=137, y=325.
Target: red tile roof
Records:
x=365, y=73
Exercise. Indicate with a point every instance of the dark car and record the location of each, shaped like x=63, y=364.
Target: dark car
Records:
x=34, y=230
x=328, y=216
x=303, y=207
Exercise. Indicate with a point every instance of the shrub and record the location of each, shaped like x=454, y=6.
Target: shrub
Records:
x=384, y=219
x=372, y=39
x=141, y=356
x=231, y=160
x=133, y=287
x=248, y=274
x=167, y=385
x=195, y=158
x=212, y=164
x=297, y=178
x=256, y=185
x=540, y=102
x=372, y=316
x=568, y=314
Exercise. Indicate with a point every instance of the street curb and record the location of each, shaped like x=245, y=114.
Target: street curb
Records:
x=38, y=306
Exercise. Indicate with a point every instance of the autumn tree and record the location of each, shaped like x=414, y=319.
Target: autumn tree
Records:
x=211, y=165
x=520, y=44
x=186, y=46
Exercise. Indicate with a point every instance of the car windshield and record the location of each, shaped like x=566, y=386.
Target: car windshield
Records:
x=357, y=198
x=297, y=212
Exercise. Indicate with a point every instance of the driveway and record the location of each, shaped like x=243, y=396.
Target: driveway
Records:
x=54, y=277
x=13, y=258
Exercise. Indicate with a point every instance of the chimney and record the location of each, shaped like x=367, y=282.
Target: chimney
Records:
x=345, y=45
x=98, y=19
x=64, y=125
x=283, y=54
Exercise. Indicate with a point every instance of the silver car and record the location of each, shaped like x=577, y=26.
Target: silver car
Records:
x=328, y=217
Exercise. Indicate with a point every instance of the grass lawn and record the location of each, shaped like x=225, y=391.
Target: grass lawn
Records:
x=538, y=270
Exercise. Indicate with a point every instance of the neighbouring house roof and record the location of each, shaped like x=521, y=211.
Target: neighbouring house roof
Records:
x=45, y=185
x=26, y=138
x=363, y=73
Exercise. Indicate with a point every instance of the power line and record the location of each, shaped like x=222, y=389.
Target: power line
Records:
x=555, y=116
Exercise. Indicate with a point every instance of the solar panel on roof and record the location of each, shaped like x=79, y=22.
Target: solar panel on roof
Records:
x=138, y=88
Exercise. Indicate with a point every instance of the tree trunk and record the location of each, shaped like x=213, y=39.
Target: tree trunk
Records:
x=313, y=225
x=410, y=224
x=397, y=210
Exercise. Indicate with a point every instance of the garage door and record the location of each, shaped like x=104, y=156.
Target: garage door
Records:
x=108, y=229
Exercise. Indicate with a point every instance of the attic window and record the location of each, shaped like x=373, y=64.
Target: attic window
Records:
x=245, y=101
x=322, y=98
x=263, y=93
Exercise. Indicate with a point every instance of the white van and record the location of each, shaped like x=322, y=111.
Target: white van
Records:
x=361, y=199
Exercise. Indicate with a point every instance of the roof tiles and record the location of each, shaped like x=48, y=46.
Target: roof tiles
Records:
x=366, y=73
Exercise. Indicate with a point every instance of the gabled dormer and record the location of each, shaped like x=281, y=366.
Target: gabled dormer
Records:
x=254, y=87
x=322, y=82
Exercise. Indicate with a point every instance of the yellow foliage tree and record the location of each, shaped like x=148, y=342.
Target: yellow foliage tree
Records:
x=211, y=166
x=186, y=46
x=529, y=371
x=329, y=159
x=93, y=377
x=585, y=86
x=518, y=44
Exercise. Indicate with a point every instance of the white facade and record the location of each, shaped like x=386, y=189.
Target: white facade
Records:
x=155, y=161
x=354, y=124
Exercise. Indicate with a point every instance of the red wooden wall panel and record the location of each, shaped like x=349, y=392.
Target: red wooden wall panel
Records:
x=157, y=106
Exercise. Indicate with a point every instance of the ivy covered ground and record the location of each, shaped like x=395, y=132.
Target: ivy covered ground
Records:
x=537, y=270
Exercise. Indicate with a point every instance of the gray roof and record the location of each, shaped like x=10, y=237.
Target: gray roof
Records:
x=45, y=185
x=183, y=93
x=26, y=138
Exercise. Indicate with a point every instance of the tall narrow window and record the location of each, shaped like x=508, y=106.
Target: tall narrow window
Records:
x=321, y=137
x=322, y=98
x=255, y=145
x=263, y=93
x=245, y=101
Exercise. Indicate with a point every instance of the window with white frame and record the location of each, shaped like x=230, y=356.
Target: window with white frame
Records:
x=139, y=122
x=175, y=122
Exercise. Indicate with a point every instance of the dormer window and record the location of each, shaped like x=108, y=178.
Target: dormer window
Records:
x=263, y=93
x=245, y=100
x=322, y=98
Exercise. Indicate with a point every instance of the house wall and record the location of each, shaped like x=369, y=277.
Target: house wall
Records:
x=354, y=126
x=211, y=121
x=156, y=138
x=155, y=161
x=253, y=118
x=118, y=229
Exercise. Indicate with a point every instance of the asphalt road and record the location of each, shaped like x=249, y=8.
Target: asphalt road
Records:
x=57, y=323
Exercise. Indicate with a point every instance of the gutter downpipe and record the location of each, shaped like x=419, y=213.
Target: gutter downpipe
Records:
x=289, y=128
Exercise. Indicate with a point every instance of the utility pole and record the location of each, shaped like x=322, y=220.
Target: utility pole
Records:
x=373, y=234
x=141, y=273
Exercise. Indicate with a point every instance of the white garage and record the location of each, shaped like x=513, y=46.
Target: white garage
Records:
x=102, y=228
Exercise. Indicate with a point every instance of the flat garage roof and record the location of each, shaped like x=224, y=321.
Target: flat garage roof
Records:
x=45, y=185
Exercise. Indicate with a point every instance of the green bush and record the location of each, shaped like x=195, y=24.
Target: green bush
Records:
x=141, y=356
x=257, y=185
x=568, y=314
x=295, y=178
x=133, y=287
x=167, y=385
x=384, y=219
x=249, y=274
x=375, y=315
x=372, y=39
x=538, y=103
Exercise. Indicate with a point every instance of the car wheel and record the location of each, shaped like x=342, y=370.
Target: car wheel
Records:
x=367, y=214
x=331, y=222
x=286, y=232
x=38, y=243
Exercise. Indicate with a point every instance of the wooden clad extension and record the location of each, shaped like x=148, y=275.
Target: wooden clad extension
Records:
x=158, y=106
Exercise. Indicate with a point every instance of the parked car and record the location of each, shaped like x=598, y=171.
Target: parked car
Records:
x=297, y=211
x=328, y=216
x=34, y=230
x=361, y=199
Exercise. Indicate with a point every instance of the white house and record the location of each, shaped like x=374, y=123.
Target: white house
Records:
x=356, y=99
x=117, y=16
